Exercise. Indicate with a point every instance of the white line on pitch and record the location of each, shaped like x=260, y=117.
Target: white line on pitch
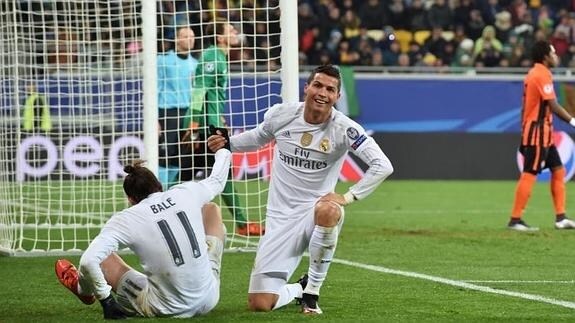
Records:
x=411, y=211
x=463, y=284
x=521, y=281
x=533, y=297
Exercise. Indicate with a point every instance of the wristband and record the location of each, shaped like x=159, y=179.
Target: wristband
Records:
x=572, y=122
x=349, y=197
x=224, y=133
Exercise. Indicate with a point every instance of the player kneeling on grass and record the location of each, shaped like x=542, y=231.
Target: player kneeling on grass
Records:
x=312, y=140
x=178, y=237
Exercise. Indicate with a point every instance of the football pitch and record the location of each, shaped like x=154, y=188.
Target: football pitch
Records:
x=413, y=251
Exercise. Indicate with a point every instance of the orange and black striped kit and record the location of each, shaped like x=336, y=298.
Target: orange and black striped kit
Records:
x=537, y=120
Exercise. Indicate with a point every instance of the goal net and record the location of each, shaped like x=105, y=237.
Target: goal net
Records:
x=80, y=90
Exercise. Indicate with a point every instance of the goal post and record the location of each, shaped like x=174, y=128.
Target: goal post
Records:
x=79, y=100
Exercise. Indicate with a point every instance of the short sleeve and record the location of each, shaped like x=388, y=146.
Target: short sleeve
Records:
x=544, y=85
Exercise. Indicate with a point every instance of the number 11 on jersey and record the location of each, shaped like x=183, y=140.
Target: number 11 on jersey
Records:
x=173, y=245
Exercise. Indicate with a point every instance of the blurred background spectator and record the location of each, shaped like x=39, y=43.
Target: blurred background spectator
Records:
x=459, y=33
x=351, y=32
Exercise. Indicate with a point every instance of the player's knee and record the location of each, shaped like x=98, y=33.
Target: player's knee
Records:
x=261, y=302
x=113, y=268
x=211, y=214
x=327, y=214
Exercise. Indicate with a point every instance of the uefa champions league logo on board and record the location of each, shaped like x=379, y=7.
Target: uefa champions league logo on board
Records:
x=566, y=148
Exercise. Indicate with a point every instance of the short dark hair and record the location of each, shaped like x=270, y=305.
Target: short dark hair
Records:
x=329, y=70
x=540, y=49
x=215, y=28
x=140, y=181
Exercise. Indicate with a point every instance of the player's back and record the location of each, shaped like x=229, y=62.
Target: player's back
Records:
x=166, y=232
x=537, y=118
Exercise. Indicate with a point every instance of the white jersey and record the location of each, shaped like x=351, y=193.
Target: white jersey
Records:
x=166, y=232
x=308, y=157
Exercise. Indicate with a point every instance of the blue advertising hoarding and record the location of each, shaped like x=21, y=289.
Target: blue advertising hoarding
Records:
x=414, y=120
x=386, y=104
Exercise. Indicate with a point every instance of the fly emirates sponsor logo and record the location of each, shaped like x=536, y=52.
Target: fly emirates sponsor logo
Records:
x=300, y=159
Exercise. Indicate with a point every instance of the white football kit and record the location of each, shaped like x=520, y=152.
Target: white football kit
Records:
x=306, y=166
x=166, y=232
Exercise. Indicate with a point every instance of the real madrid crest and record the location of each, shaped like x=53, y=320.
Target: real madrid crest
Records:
x=324, y=145
x=306, y=139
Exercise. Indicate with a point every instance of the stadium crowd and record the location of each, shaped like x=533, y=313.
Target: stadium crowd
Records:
x=464, y=33
x=459, y=33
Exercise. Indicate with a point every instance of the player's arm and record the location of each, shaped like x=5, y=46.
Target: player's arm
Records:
x=261, y=135
x=202, y=82
x=197, y=104
x=250, y=140
x=214, y=108
x=544, y=86
x=99, y=249
x=379, y=169
x=365, y=147
x=214, y=184
x=561, y=112
x=214, y=105
x=246, y=141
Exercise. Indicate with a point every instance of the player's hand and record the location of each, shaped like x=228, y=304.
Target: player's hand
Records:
x=216, y=142
x=333, y=197
x=112, y=310
x=219, y=139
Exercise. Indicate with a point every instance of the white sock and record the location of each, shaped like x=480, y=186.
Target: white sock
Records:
x=287, y=293
x=321, y=249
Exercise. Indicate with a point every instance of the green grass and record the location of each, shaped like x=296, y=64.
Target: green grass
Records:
x=449, y=229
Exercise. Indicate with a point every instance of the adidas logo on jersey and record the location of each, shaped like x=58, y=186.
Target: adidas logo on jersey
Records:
x=285, y=134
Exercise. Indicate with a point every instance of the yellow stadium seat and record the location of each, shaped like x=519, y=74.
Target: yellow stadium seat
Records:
x=448, y=35
x=403, y=37
x=421, y=35
x=375, y=34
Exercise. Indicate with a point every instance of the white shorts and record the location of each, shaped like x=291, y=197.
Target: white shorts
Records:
x=280, y=251
x=138, y=297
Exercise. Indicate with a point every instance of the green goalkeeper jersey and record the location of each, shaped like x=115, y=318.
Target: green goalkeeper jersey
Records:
x=210, y=89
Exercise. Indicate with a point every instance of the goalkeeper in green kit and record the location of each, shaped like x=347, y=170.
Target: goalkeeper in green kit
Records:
x=208, y=102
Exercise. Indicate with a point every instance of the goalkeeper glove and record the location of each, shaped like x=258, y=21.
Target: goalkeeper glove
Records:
x=112, y=310
x=223, y=133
